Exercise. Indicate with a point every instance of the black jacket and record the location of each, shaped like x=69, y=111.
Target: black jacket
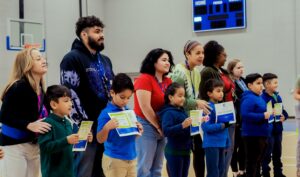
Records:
x=19, y=108
x=81, y=74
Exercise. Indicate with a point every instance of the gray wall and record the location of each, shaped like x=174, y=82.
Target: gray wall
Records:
x=267, y=45
x=270, y=43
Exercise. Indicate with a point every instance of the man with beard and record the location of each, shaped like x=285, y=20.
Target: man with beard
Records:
x=88, y=74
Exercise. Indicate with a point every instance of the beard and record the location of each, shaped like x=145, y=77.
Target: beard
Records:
x=95, y=45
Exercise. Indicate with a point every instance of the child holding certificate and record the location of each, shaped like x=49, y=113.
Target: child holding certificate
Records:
x=56, y=145
x=119, y=158
x=215, y=137
x=274, y=149
x=176, y=127
x=255, y=124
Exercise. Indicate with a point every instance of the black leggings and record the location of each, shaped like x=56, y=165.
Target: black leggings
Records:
x=238, y=157
x=198, y=156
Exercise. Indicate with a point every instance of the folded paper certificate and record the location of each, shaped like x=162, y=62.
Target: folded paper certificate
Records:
x=278, y=111
x=270, y=110
x=84, y=130
x=225, y=112
x=196, y=116
x=127, y=122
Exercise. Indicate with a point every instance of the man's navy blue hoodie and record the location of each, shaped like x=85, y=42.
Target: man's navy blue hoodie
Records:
x=275, y=127
x=179, y=139
x=253, y=108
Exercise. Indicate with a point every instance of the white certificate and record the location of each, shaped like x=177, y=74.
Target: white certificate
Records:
x=84, y=130
x=278, y=107
x=270, y=110
x=127, y=122
x=225, y=112
x=196, y=116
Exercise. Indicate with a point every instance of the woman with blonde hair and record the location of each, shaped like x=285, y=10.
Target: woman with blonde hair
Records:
x=235, y=69
x=22, y=107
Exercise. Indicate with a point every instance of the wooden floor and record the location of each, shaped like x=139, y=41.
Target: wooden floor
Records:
x=288, y=154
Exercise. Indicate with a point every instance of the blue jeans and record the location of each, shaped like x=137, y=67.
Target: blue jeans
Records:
x=150, y=151
x=230, y=149
x=215, y=161
x=178, y=166
x=273, y=152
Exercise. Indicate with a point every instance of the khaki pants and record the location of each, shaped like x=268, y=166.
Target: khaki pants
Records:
x=20, y=160
x=118, y=168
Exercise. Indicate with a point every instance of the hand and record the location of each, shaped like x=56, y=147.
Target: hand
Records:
x=202, y=104
x=1, y=153
x=267, y=115
x=73, y=139
x=140, y=127
x=282, y=118
x=205, y=118
x=226, y=124
x=187, y=122
x=90, y=137
x=160, y=132
x=112, y=124
x=39, y=127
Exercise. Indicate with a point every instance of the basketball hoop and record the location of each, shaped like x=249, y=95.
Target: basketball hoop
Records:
x=35, y=45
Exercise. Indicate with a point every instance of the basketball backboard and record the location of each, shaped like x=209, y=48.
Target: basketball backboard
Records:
x=23, y=33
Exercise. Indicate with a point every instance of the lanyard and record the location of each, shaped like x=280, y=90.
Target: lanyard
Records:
x=192, y=83
x=102, y=74
x=242, y=85
x=161, y=85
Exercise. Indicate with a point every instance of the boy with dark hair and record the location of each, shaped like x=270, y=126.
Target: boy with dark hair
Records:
x=56, y=145
x=254, y=123
x=119, y=158
x=274, y=149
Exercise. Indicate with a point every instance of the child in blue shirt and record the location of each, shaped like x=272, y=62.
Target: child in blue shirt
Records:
x=274, y=149
x=254, y=124
x=215, y=137
x=119, y=158
x=176, y=127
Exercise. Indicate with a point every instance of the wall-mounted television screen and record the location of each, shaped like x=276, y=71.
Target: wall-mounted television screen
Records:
x=210, y=15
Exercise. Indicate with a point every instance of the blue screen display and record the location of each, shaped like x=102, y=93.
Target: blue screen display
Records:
x=210, y=15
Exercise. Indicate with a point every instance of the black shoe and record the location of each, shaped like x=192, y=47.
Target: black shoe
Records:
x=280, y=175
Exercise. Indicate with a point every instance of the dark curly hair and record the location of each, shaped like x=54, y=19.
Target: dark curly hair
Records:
x=87, y=22
x=212, y=50
x=152, y=57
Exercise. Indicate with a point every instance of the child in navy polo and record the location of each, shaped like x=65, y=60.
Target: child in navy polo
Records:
x=119, y=158
x=274, y=148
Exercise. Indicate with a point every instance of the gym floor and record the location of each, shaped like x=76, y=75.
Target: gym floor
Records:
x=289, y=143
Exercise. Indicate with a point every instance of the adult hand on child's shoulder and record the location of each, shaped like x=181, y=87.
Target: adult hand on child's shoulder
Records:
x=39, y=127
